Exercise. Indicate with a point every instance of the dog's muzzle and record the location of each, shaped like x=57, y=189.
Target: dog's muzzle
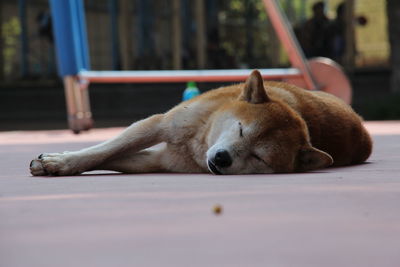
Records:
x=221, y=159
x=213, y=168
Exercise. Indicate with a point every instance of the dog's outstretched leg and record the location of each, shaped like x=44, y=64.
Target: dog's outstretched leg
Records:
x=138, y=136
x=136, y=162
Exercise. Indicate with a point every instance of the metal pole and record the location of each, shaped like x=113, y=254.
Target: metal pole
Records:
x=144, y=28
x=349, y=56
x=176, y=35
x=249, y=22
x=289, y=42
x=200, y=34
x=78, y=105
x=165, y=76
x=125, y=28
x=69, y=29
x=113, y=10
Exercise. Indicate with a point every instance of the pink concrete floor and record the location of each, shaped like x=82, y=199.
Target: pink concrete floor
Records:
x=334, y=217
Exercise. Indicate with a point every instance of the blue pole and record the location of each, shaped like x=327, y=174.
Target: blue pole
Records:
x=69, y=30
x=24, y=50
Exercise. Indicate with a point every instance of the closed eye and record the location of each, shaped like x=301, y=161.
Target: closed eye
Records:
x=258, y=158
x=240, y=129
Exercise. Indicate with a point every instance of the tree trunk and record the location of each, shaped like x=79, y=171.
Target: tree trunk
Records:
x=393, y=11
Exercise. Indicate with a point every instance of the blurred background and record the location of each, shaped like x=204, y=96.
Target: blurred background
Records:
x=163, y=34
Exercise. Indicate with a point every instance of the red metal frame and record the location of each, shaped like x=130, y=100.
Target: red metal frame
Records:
x=289, y=41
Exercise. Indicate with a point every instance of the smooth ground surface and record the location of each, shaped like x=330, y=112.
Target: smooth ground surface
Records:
x=334, y=217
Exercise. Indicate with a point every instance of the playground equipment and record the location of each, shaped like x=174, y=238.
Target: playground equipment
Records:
x=73, y=64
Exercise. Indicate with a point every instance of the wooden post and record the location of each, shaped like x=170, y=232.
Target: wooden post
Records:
x=125, y=28
x=349, y=56
x=200, y=34
x=176, y=35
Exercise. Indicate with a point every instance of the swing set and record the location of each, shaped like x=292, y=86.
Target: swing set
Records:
x=73, y=64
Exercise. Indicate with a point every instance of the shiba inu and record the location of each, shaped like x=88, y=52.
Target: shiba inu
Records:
x=248, y=128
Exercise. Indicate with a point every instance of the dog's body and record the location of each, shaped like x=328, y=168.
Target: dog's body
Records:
x=254, y=127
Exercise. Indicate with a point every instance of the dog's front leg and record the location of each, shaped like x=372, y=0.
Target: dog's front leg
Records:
x=160, y=158
x=149, y=160
x=138, y=136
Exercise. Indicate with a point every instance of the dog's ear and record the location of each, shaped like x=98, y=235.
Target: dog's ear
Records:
x=311, y=159
x=253, y=90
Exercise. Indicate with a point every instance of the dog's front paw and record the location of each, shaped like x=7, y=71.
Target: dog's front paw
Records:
x=52, y=164
x=36, y=168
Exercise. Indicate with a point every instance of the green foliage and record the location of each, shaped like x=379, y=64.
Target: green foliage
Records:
x=266, y=50
x=11, y=31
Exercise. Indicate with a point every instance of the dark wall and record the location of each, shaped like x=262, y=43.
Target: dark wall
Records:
x=42, y=106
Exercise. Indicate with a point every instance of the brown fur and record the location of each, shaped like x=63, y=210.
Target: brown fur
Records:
x=255, y=127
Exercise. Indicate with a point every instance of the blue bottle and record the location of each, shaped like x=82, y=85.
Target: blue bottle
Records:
x=191, y=91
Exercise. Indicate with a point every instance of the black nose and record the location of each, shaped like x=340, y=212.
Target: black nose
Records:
x=222, y=159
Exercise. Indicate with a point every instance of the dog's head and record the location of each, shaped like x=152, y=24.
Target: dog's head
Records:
x=255, y=134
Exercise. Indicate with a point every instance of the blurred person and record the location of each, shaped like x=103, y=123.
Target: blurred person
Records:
x=313, y=34
x=337, y=32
